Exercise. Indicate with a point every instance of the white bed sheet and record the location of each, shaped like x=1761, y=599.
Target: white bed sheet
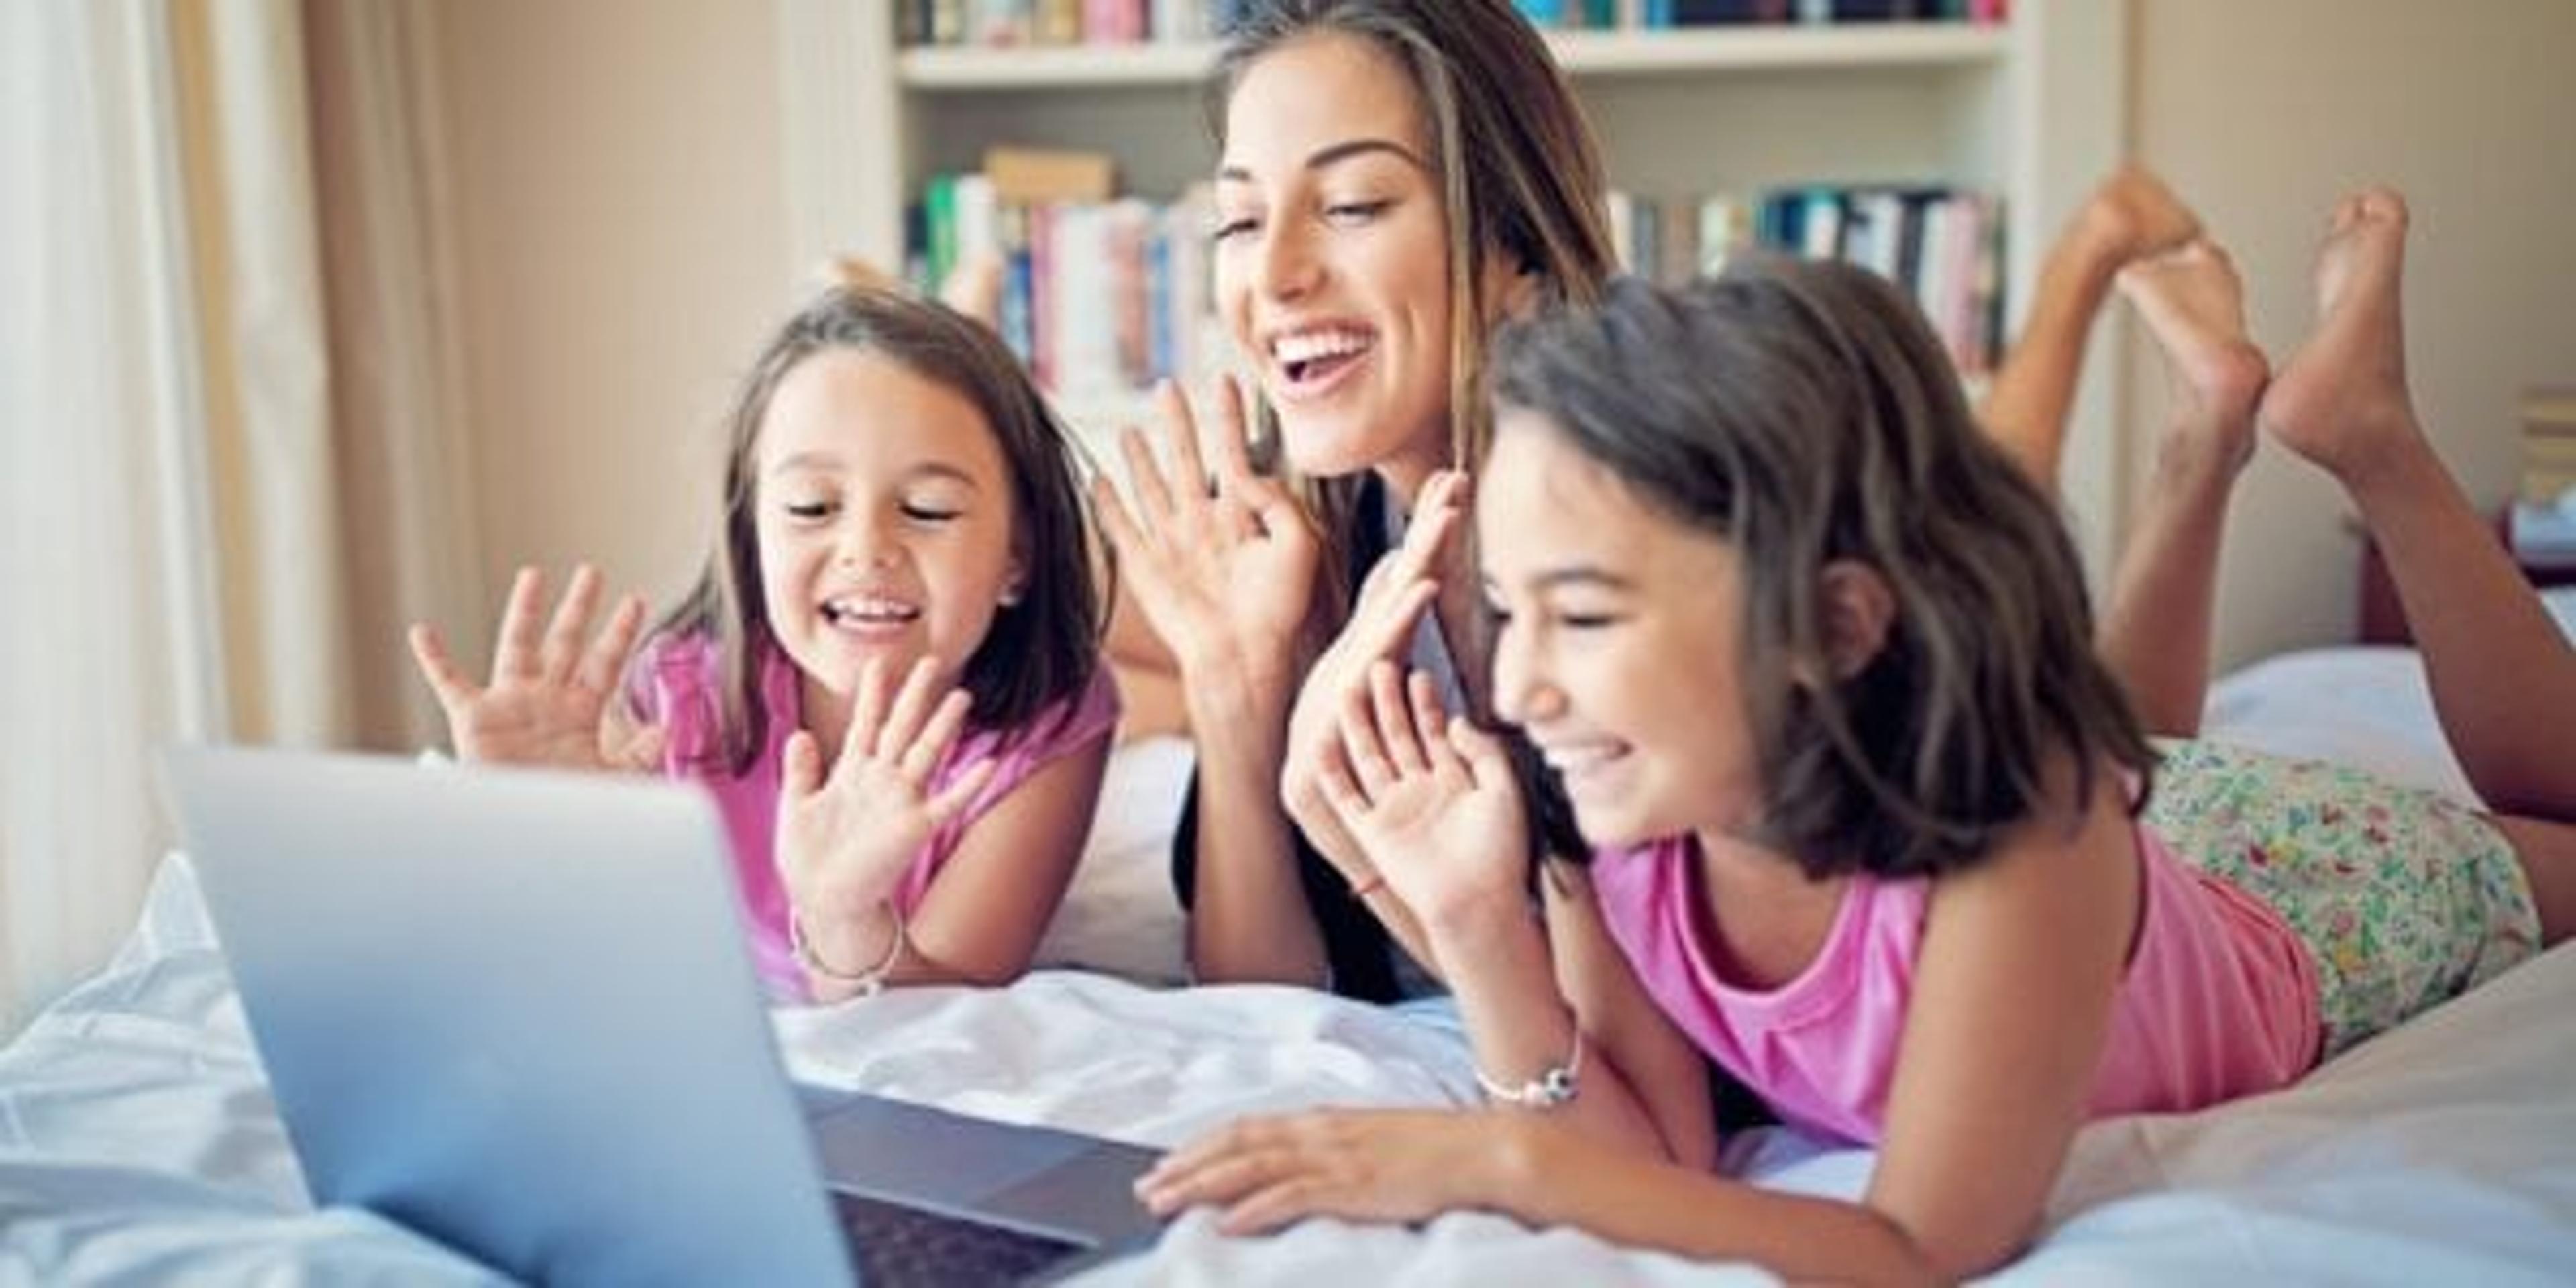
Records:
x=2365, y=707
x=138, y=1143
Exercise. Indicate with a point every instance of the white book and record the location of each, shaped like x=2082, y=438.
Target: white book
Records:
x=1622, y=214
x=979, y=229
x=1083, y=304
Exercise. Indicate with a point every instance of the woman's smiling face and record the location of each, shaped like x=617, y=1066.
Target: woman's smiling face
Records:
x=1332, y=257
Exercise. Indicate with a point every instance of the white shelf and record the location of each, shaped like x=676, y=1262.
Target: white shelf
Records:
x=2032, y=109
x=1582, y=53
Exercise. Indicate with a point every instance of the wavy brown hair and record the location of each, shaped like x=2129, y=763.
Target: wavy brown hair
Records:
x=1805, y=413
x=1039, y=651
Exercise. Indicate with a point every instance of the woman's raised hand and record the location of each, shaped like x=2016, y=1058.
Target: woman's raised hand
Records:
x=846, y=836
x=1222, y=564
x=1381, y=625
x=549, y=701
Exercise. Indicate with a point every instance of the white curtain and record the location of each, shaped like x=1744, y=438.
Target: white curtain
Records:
x=179, y=523
x=398, y=366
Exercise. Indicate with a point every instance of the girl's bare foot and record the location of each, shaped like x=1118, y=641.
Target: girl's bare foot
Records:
x=2133, y=215
x=2194, y=304
x=2341, y=401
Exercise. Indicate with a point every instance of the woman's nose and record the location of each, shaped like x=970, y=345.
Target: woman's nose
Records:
x=1289, y=267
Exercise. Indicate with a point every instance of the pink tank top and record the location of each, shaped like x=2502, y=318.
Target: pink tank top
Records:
x=678, y=683
x=2220, y=998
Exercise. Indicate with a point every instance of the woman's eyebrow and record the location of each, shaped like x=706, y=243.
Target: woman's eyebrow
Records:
x=1332, y=154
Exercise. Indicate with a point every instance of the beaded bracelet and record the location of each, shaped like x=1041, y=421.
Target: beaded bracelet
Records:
x=870, y=981
x=1555, y=1085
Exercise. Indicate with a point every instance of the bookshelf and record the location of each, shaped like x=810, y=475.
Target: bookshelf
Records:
x=2031, y=110
x=944, y=69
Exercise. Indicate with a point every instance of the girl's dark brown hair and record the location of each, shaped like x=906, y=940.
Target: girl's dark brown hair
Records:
x=1805, y=413
x=1520, y=177
x=1039, y=651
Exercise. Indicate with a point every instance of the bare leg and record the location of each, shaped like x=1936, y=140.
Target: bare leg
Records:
x=2156, y=632
x=2503, y=678
x=2547, y=852
x=2130, y=216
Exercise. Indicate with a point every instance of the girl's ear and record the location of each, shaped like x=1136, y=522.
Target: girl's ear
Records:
x=1859, y=609
x=1015, y=583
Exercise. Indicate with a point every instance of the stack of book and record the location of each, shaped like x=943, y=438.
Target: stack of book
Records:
x=1943, y=245
x=2542, y=529
x=1654, y=14
x=1005, y=23
x=2548, y=445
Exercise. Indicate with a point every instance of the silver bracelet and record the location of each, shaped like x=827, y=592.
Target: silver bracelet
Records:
x=1554, y=1085
x=870, y=981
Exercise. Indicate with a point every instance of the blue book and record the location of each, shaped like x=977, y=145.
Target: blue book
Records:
x=1158, y=306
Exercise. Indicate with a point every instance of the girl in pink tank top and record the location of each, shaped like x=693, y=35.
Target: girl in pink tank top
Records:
x=888, y=674
x=1810, y=657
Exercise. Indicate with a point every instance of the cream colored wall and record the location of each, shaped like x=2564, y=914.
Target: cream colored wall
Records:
x=2260, y=113
x=622, y=233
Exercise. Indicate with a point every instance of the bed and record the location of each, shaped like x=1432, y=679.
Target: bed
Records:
x=138, y=1143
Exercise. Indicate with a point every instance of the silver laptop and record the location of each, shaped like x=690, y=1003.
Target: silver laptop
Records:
x=513, y=1011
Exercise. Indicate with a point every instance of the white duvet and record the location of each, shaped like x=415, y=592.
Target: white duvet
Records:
x=138, y=1144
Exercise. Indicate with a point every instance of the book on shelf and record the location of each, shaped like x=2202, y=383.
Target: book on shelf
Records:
x=1057, y=22
x=1943, y=246
x=1102, y=296
x=1027, y=175
x=1570, y=15
x=1658, y=14
x=1007, y=24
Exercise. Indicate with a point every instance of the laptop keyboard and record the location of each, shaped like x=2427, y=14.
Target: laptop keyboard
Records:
x=895, y=1244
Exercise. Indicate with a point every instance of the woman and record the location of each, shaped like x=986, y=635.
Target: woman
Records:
x=1395, y=178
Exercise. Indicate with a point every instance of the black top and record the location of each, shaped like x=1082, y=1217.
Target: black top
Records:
x=1356, y=945
x=1364, y=958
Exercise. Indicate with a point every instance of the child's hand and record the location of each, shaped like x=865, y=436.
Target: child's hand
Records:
x=549, y=702
x=845, y=838
x=1356, y=1164
x=1225, y=574
x=1431, y=801
x=1391, y=603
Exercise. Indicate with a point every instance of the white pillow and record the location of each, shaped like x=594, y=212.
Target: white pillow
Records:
x=1120, y=916
x=2561, y=603
x=2367, y=707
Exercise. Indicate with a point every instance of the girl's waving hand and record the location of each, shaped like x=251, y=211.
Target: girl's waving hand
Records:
x=549, y=699
x=846, y=834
